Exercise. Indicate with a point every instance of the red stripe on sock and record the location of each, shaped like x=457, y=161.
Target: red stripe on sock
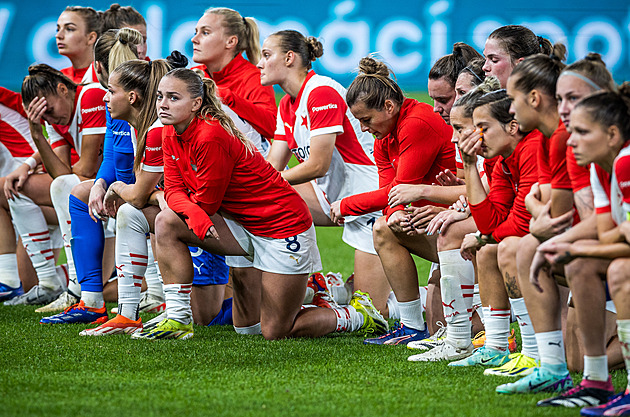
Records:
x=48, y=258
x=38, y=234
x=135, y=255
x=135, y=284
x=42, y=240
x=139, y=263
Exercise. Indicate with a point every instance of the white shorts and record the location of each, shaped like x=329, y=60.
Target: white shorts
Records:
x=357, y=231
x=291, y=256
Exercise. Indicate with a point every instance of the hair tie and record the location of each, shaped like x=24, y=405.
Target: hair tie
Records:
x=583, y=78
x=150, y=64
x=122, y=41
x=244, y=21
x=540, y=39
x=467, y=68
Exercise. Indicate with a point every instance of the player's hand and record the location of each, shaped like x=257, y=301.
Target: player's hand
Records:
x=441, y=222
x=111, y=203
x=15, y=181
x=461, y=204
x=624, y=229
x=335, y=213
x=398, y=221
x=469, y=246
x=545, y=227
x=95, y=201
x=470, y=145
x=533, y=196
x=403, y=194
x=212, y=233
x=447, y=178
x=420, y=217
x=35, y=111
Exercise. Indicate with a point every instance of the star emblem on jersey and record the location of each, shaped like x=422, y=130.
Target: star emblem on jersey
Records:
x=304, y=121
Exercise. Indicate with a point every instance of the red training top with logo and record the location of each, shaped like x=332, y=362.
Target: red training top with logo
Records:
x=82, y=75
x=580, y=176
x=153, y=160
x=88, y=119
x=552, y=163
x=417, y=149
x=239, y=87
x=16, y=143
x=320, y=109
x=502, y=213
x=611, y=193
x=206, y=170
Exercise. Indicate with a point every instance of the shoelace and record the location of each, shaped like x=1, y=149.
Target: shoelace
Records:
x=73, y=306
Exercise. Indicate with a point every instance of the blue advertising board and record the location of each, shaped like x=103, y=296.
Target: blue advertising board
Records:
x=408, y=35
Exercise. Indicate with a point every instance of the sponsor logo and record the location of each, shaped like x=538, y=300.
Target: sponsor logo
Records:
x=153, y=148
x=121, y=133
x=326, y=107
x=93, y=109
x=289, y=126
x=302, y=153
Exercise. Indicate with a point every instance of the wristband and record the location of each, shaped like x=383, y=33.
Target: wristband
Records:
x=31, y=162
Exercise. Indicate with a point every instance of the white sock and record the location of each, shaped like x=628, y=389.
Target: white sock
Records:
x=253, y=329
x=596, y=368
x=528, y=337
x=348, y=319
x=551, y=348
x=9, y=274
x=33, y=229
x=392, y=306
x=92, y=299
x=423, y=296
x=153, y=275
x=497, y=328
x=623, y=332
x=60, y=190
x=477, y=304
x=131, y=257
x=62, y=276
x=457, y=286
x=177, y=297
x=411, y=314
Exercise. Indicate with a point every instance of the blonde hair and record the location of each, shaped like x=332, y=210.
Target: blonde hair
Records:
x=244, y=28
x=116, y=46
x=198, y=86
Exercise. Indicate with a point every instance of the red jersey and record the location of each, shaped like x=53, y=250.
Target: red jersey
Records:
x=503, y=212
x=552, y=163
x=207, y=170
x=239, y=87
x=153, y=159
x=82, y=75
x=580, y=176
x=416, y=150
x=16, y=143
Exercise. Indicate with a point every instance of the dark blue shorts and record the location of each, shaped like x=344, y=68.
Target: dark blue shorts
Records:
x=210, y=269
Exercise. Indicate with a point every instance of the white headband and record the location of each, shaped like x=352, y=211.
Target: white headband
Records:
x=583, y=78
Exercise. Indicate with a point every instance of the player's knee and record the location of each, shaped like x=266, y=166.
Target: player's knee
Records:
x=165, y=223
x=381, y=232
x=506, y=252
x=275, y=331
x=82, y=190
x=60, y=188
x=619, y=278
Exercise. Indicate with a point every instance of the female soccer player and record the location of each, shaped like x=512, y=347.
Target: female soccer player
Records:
x=600, y=135
x=75, y=121
x=131, y=96
x=78, y=28
x=412, y=146
x=221, y=37
x=509, y=45
x=210, y=172
x=117, y=17
x=335, y=156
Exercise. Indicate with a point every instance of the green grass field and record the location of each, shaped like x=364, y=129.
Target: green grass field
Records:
x=52, y=371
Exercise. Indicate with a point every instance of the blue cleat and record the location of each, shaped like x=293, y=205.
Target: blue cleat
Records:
x=400, y=335
x=78, y=313
x=7, y=293
x=615, y=406
x=484, y=356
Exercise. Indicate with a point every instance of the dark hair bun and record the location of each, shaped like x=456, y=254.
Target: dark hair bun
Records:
x=594, y=57
x=315, y=48
x=177, y=60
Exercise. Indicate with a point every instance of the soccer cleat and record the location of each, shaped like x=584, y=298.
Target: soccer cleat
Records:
x=117, y=325
x=324, y=299
x=430, y=342
x=78, y=313
x=540, y=380
x=166, y=329
x=149, y=303
x=400, y=335
x=62, y=302
x=484, y=356
x=615, y=405
x=585, y=394
x=480, y=339
x=374, y=322
x=519, y=365
x=36, y=295
x=151, y=324
x=7, y=293
x=444, y=351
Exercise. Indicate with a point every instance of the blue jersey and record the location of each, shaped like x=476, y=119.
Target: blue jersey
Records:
x=118, y=155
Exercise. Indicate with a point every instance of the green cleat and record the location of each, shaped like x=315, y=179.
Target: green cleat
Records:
x=519, y=365
x=374, y=323
x=484, y=356
x=166, y=329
